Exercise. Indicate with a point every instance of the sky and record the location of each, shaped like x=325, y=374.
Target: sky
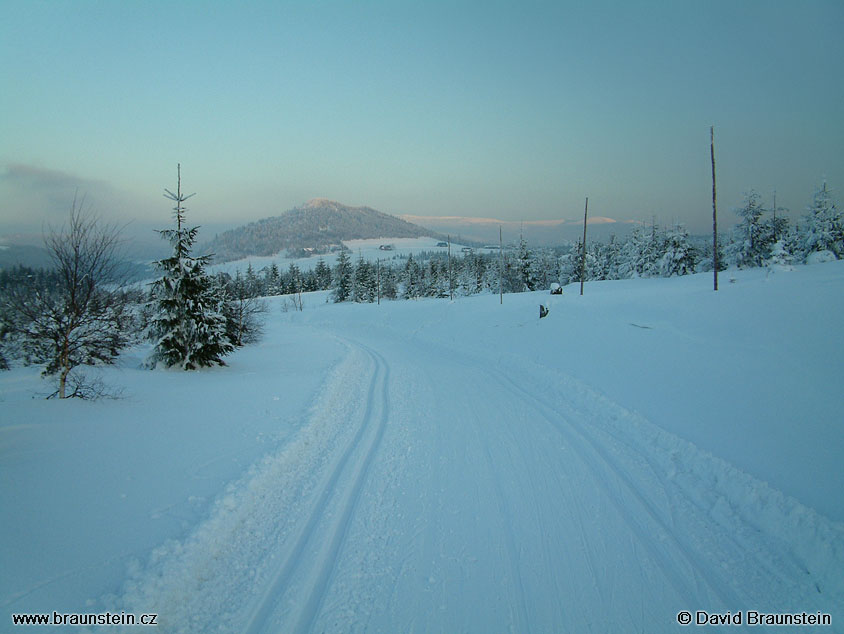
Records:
x=512, y=110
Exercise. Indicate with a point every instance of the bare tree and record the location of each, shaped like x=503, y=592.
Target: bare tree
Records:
x=83, y=318
x=243, y=312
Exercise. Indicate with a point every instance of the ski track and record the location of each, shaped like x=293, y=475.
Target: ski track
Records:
x=750, y=549
x=604, y=470
x=273, y=537
x=273, y=557
x=352, y=469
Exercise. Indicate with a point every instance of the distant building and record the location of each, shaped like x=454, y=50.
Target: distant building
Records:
x=386, y=247
x=442, y=244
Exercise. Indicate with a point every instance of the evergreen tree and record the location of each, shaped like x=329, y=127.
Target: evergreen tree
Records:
x=751, y=243
x=793, y=244
x=641, y=253
x=343, y=277
x=780, y=255
x=523, y=266
x=272, y=280
x=824, y=226
x=571, y=264
x=189, y=326
x=323, y=275
x=478, y=269
x=412, y=279
x=389, y=282
x=364, y=288
x=775, y=228
x=309, y=281
x=435, y=280
x=253, y=284
x=294, y=276
x=705, y=257
x=611, y=259
x=679, y=257
x=511, y=280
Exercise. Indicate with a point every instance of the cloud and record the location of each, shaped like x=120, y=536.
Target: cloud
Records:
x=35, y=198
x=33, y=192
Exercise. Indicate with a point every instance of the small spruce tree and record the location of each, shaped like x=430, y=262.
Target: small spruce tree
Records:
x=523, y=266
x=824, y=226
x=751, y=241
x=323, y=276
x=343, y=277
x=679, y=257
x=189, y=326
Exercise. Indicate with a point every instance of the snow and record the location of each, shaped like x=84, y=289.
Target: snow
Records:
x=647, y=448
x=369, y=249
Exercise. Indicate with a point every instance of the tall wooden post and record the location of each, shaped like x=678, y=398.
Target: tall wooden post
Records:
x=714, y=209
x=450, y=284
x=776, y=238
x=378, y=278
x=583, y=256
x=500, y=266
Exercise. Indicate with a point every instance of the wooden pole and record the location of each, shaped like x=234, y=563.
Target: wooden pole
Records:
x=714, y=209
x=450, y=286
x=775, y=217
x=500, y=266
x=583, y=257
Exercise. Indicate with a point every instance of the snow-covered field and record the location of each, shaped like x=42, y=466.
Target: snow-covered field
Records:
x=435, y=466
x=369, y=249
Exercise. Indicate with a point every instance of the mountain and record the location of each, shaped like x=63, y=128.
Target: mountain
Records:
x=312, y=228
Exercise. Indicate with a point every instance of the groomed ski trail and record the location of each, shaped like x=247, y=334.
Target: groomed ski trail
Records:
x=262, y=560
x=437, y=490
x=316, y=548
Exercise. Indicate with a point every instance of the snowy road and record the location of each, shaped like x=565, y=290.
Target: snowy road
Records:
x=433, y=490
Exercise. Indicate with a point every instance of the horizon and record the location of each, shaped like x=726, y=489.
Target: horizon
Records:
x=514, y=112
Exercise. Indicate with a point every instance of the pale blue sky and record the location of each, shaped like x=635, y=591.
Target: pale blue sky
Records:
x=515, y=110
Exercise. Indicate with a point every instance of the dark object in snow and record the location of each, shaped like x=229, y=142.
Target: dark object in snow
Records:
x=556, y=289
x=543, y=311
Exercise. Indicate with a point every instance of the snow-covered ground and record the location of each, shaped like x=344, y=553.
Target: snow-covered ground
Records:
x=648, y=448
x=369, y=249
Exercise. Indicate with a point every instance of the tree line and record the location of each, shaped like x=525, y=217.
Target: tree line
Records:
x=82, y=312
x=763, y=236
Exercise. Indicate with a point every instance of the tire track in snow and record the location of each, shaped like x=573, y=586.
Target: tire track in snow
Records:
x=363, y=447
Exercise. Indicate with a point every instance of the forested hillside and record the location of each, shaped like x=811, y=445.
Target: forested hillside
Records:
x=312, y=228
